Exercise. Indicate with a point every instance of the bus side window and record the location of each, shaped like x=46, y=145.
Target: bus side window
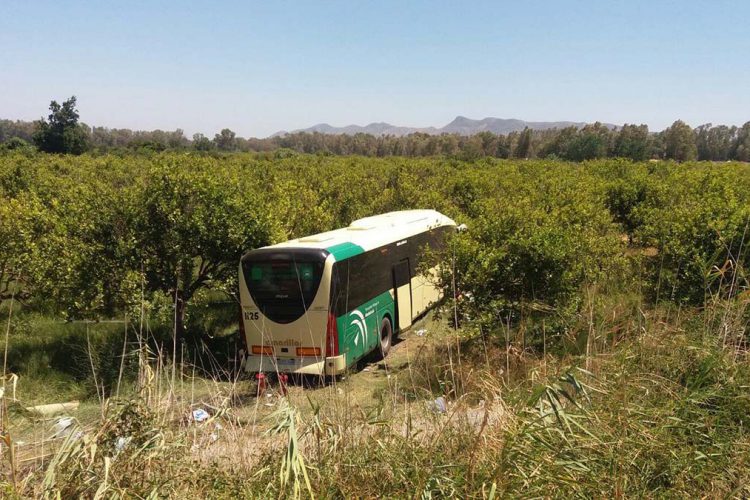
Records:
x=420, y=243
x=340, y=287
x=360, y=279
x=369, y=276
x=432, y=241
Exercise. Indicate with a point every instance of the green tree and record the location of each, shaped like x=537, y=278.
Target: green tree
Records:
x=524, y=149
x=561, y=141
x=195, y=219
x=22, y=227
x=627, y=195
x=226, y=140
x=202, y=143
x=540, y=234
x=16, y=143
x=679, y=142
x=592, y=141
x=61, y=133
x=503, y=147
x=632, y=142
x=741, y=147
x=20, y=129
x=700, y=233
x=714, y=143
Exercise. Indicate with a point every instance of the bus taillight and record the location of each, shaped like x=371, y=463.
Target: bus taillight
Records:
x=332, y=336
x=266, y=350
x=308, y=351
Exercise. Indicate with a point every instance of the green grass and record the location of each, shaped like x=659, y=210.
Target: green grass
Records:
x=53, y=359
x=58, y=361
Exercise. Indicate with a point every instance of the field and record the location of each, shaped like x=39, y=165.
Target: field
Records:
x=593, y=342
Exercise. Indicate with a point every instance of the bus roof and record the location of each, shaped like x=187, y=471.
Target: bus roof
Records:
x=371, y=232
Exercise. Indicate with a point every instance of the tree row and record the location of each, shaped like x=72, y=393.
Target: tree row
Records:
x=61, y=132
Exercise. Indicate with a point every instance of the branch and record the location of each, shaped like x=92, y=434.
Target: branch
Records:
x=202, y=267
x=207, y=270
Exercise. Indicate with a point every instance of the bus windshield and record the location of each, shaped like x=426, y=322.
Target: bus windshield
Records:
x=282, y=289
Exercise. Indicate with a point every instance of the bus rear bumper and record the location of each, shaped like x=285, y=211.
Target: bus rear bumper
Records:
x=310, y=366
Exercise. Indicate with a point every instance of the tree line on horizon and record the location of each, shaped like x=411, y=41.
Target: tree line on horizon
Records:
x=62, y=132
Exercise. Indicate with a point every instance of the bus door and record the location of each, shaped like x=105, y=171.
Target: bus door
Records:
x=402, y=288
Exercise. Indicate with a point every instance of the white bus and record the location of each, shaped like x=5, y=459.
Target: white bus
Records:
x=316, y=305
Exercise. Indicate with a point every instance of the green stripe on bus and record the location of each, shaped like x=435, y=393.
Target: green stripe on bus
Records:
x=345, y=250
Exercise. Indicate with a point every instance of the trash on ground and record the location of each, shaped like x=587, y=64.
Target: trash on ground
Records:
x=63, y=426
x=421, y=332
x=121, y=443
x=13, y=379
x=366, y=369
x=200, y=415
x=438, y=405
x=216, y=433
x=53, y=408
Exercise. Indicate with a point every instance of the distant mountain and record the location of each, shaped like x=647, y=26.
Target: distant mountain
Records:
x=381, y=128
x=460, y=125
x=466, y=126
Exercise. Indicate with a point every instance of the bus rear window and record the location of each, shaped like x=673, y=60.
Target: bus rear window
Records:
x=284, y=289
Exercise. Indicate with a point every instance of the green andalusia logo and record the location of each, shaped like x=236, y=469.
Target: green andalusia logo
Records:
x=361, y=324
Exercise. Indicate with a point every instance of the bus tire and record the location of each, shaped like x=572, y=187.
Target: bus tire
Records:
x=386, y=338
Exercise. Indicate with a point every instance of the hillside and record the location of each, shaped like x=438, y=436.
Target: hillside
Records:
x=460, y=125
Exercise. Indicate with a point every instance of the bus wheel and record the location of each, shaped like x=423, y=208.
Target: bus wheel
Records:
x=386, y=337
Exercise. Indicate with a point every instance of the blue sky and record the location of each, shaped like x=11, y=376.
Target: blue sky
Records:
x=259, y=67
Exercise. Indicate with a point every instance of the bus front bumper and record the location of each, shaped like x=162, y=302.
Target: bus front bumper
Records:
x=309, y=366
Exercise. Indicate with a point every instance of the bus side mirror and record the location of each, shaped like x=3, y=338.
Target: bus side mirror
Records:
x=461, y=228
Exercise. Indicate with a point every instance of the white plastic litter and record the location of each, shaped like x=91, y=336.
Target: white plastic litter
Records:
x=121, y=443
x=439, y=405
x=63, y=426
x=200, y=415
x=421, y=332
x=216, y=433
